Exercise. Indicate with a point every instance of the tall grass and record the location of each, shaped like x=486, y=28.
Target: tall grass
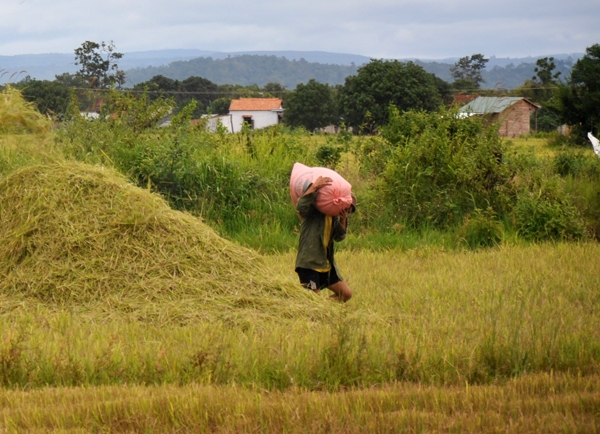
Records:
x=19, y=116
x=431, y=340
x=548, y=403
x=425, y=316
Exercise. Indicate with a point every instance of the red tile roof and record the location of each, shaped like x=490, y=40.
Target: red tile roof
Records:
x=463, y=99
x=253, y=104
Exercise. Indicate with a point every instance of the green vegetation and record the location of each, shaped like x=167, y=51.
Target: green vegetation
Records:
x=424, y=172
x=467, y=72
x=98, y=64
x=311, y=106
x=472, y=261
x=198, y=89
x=578, y=102
x=365, y=97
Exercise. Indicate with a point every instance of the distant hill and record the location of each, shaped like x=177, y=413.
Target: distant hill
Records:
x=246, y=69
x=260, y=67
x=47, y=66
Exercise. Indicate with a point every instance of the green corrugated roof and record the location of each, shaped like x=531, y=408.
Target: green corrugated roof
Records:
x=490, y=104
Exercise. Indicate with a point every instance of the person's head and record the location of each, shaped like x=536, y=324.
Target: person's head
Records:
x=353, y=205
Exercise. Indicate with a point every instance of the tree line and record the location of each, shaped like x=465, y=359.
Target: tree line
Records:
x=362, y=102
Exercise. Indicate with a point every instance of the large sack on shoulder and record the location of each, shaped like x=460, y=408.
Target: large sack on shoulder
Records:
x=331, y=199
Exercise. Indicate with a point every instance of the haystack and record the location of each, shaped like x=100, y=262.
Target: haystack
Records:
x=18, y=116
x=81, y=236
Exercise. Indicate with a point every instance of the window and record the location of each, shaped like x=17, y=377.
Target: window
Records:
x=248, y=121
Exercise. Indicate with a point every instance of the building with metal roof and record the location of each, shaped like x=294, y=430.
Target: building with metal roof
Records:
x=513, y=115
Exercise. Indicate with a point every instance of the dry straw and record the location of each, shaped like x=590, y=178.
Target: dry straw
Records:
x=79, y=236
x=19, y=116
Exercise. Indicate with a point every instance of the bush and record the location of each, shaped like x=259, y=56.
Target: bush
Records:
x=439, y=168
x=546, y=218
x=329, y=155
x=574, y=163
x=568, y=163
x=481, y=229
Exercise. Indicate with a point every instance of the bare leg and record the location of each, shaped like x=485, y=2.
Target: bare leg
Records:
x=341, y=291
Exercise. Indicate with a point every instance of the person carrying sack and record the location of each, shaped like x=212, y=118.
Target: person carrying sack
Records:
x=315, y=263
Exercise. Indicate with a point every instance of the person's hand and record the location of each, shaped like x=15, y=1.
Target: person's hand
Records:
x=343, y=216
x=321, y=181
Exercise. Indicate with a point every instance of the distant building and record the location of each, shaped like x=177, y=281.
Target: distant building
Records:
x=512, y=114
x=255, y=112
x=462, y=99
x=212, y=122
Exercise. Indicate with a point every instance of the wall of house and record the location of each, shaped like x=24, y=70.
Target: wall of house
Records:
x=515, y=120
x=212, y=122
x=262, y=119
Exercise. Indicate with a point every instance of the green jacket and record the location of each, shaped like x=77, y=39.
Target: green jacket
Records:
x=315, y=247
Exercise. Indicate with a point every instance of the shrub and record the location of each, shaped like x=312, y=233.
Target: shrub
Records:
x=543, y=218
x=328, y=155
x=439, y=167
x=481, y=229
x=568, y=162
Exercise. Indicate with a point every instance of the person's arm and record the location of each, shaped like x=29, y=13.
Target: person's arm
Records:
x=339, y=230
x=321, y=181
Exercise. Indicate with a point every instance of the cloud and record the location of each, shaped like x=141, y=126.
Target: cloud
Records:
x=376, y=28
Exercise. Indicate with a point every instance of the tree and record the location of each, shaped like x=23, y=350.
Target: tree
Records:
x=541, y=88
x=310, y=105
x=99, y=64
x=84, y=96
x=365, y=97
x=545, y=80
x=579, y=102
x=467, y=72
x=444, y=89
x=50, y=97
x=70, y=80
x=220, y=106
x=275, y=89
x=544, y=72
x=198, y=88
x=195, y=88
x=158, y=85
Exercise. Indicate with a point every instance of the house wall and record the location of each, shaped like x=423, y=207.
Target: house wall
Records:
x=515, y=120
x=213, y=122
x=261, y=118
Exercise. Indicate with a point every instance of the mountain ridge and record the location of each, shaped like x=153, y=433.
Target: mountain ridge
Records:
x=46, y=66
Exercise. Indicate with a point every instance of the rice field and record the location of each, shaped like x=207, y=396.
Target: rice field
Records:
x=119, y=314
x=537, y=403
x=503, y=340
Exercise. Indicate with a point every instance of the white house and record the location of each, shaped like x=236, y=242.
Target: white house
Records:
x=255, y=112
x=212, y=122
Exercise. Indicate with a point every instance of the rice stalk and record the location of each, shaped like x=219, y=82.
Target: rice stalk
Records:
x=19, y=116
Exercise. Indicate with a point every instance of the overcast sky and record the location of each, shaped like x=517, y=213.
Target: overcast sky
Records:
x=424, y=29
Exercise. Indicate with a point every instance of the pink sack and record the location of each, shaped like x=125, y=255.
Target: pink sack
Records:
x=331, y=199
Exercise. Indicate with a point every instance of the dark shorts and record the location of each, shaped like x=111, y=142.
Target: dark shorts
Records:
x=313, y=280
